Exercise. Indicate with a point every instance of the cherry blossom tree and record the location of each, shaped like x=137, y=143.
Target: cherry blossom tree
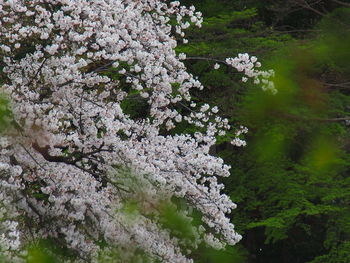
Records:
x=73, y=157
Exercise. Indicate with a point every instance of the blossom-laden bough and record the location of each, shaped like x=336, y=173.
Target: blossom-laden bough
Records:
x=67, y=67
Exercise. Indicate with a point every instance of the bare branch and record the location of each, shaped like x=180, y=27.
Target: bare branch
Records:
x=341, y=3
x=308, y=6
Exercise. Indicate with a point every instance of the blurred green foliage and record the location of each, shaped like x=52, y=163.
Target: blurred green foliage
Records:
x=5, y=113
x=47, y=251
x=229, y=255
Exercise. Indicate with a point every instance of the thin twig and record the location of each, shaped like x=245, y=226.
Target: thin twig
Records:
x=37, y=72
x=31, y=156
x=306, y=5
x=207, y=59
x=341, y=3
x=341, y=85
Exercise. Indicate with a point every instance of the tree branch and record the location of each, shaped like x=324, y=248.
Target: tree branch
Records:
x=341, y=3
x=308, y=6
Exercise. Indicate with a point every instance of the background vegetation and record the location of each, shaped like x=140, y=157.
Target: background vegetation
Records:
x=291, y=182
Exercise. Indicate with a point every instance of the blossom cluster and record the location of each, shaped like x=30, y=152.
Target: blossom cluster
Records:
x=68, y=66
x=249, y=66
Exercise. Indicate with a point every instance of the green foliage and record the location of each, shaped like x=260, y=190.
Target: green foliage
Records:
x=229, y=255
x=224, y=34
x=48, y=251
x=334, y=41
x=179, y=225
x=38, y=254
x=5, y=114
x=291, y=181
x=300, y=169
x=135, y=106
x=339, y=254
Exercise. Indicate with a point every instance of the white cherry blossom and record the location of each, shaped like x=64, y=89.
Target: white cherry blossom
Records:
x=69, y=65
